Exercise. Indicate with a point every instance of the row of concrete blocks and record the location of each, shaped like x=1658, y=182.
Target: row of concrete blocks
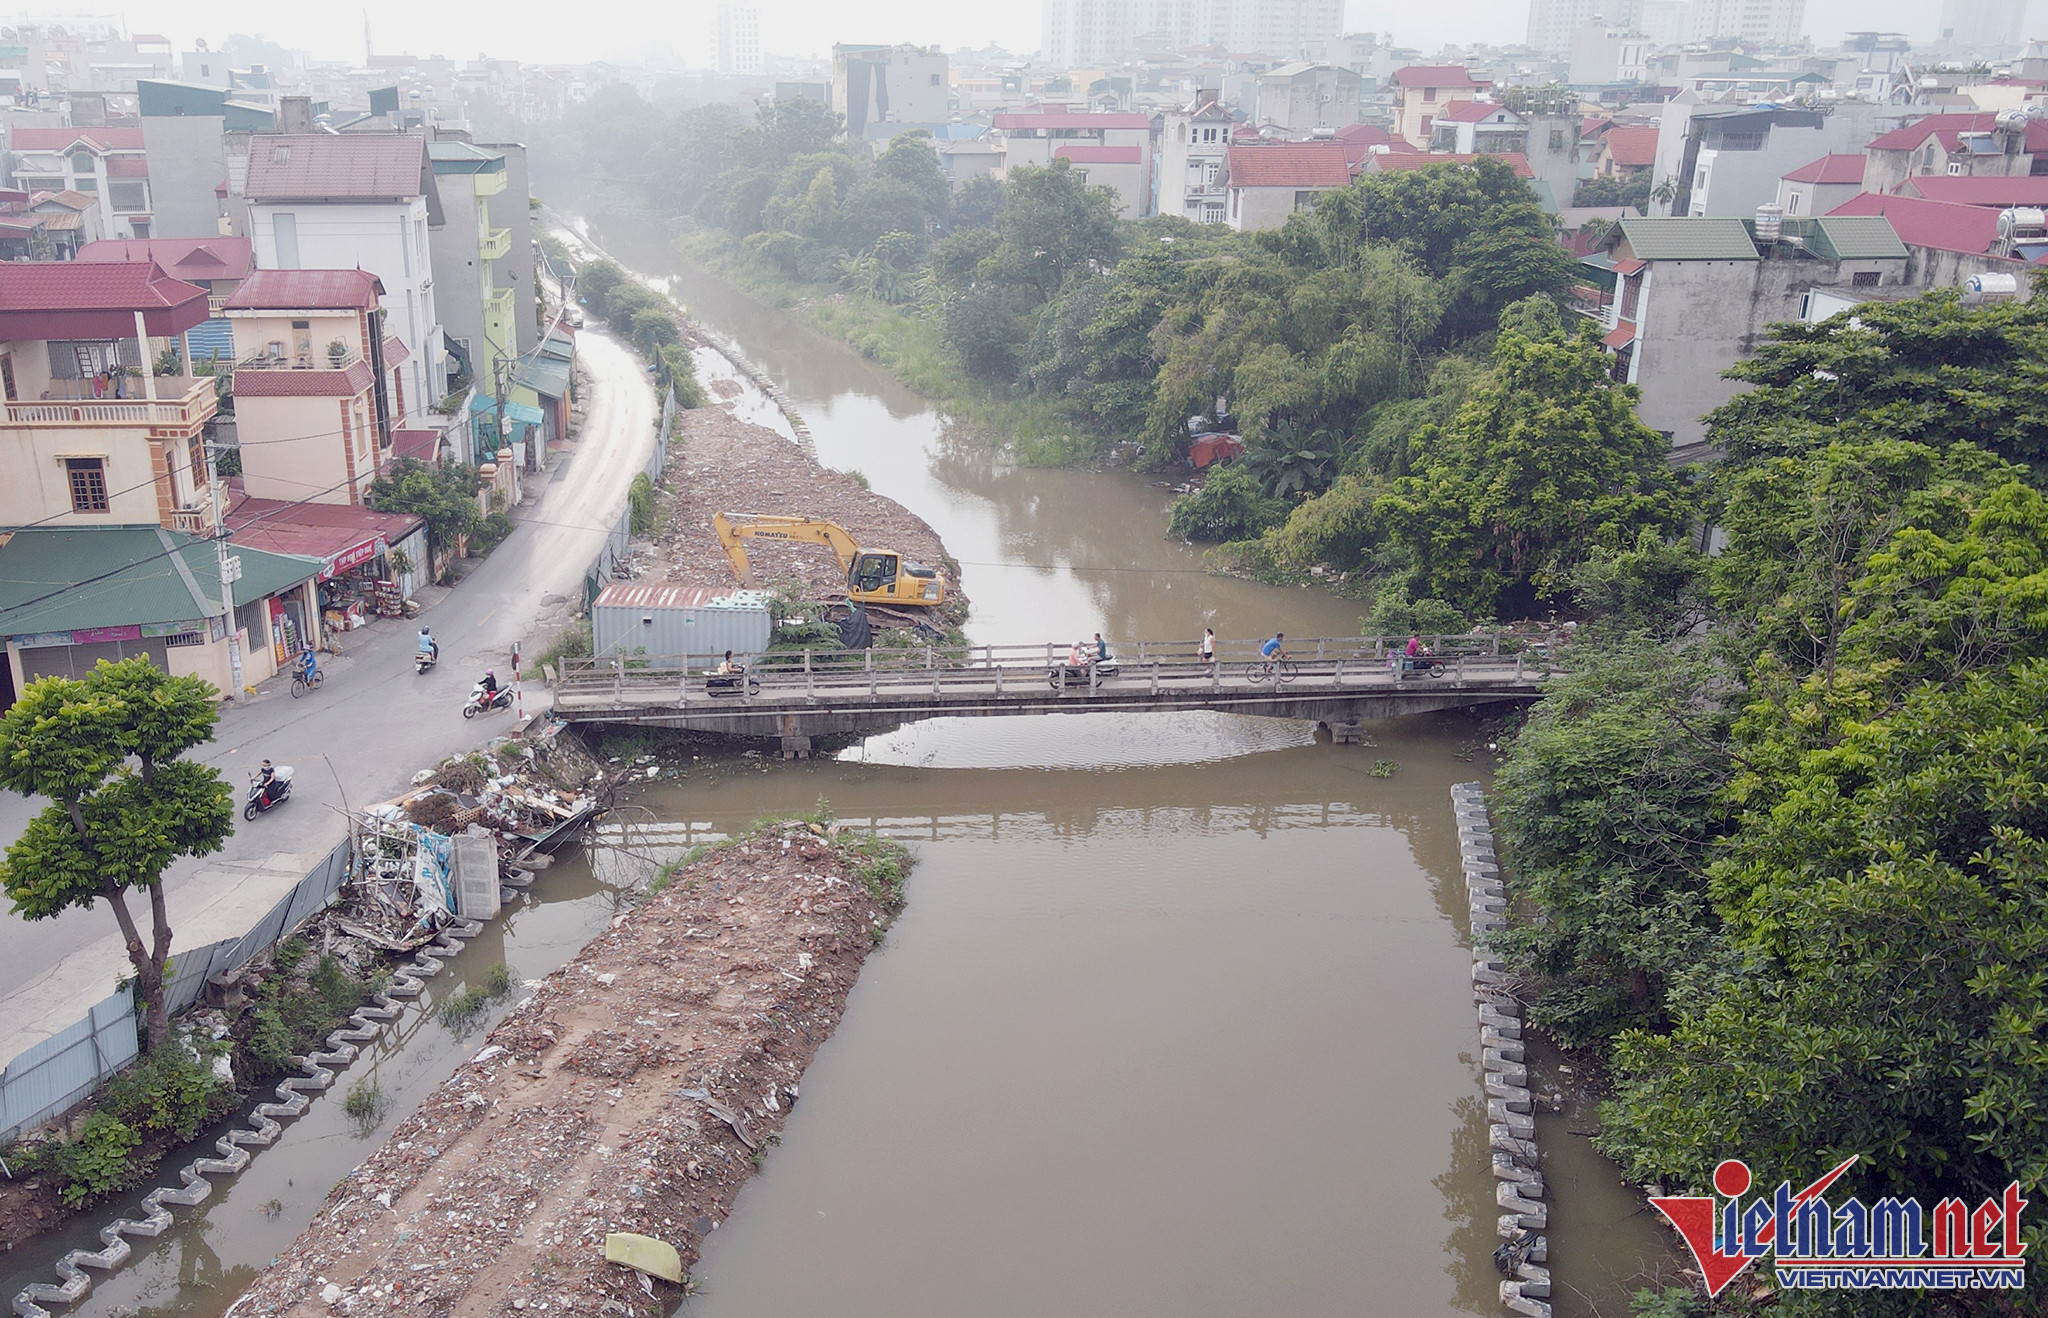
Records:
x=343, y=1046
x=1510, y=1110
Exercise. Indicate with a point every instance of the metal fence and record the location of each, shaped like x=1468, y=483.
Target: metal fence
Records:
x=63, y=1069
x=604, y=569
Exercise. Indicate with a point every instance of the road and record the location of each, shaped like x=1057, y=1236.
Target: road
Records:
x=362, y=736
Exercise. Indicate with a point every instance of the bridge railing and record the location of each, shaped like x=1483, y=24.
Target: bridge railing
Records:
x=936, y=669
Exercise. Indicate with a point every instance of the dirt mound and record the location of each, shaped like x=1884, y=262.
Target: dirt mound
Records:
x=634, y=1092
x=720, y=464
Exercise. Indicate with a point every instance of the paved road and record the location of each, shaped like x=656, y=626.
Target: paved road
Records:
x=370, y=727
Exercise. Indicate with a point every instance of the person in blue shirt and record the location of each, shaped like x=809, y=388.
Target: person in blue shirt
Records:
x=309, y=667
x=1101, y=649
x=1275, y=648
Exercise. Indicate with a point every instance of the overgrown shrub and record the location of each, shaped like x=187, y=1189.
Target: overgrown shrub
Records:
x=98, y=1162
x=291, y=1016
x=641, y=496
x=170, y=1091
x=1394, y=614
x=1229, y=506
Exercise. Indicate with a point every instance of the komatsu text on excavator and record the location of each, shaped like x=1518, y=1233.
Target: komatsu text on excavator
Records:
x=873, y=576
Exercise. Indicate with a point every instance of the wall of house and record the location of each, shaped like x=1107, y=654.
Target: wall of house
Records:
x=1252, y=209
x=509, y=210
x=1937, y=269
x=388, y=239
x=458, y=271
x=255, y=332
x=1189, y=159
x=1698, y=318
x=302, y=448
x=186, y=164
x=36, y=487
x=1130, y=182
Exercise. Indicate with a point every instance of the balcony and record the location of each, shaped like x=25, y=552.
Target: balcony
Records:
x=313, y=361
x=499, y=307
x=496, y=244
x=182, y=401
x=490, y=184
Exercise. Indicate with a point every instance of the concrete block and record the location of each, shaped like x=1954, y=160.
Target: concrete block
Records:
x=1494, y=1041
x=1514, y=1301
x=1520, y=1123
x=1502, y=1141
x=1535, y=1280
x=1504, y=1021
x=1514, y=1097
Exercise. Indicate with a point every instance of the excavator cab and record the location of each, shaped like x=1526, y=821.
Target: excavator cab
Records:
x=872, y=571
x=882, y=577
x=873, y=576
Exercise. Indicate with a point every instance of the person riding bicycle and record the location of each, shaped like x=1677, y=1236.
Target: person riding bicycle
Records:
x=309, y=667
x=428, y=645
x=1274, y=649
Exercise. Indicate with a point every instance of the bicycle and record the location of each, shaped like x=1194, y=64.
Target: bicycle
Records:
x=301, y=684
x=1281, y=670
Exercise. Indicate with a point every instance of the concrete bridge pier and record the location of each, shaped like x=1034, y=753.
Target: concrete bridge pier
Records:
x=796, y=744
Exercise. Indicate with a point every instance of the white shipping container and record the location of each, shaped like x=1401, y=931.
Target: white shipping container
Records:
x=678, y=624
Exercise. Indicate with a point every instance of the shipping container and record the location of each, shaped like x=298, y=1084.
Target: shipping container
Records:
x=677, y=624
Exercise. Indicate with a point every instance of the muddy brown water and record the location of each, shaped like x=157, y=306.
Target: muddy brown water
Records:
x=1176, y=1020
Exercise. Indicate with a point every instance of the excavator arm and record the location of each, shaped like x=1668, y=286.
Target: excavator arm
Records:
x=735, y=529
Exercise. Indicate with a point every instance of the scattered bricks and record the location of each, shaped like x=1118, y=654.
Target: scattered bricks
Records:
x=1494, y=1040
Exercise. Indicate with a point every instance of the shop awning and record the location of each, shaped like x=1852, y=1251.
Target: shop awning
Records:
x=339, y=536
x=544, y=375
x=106, y=579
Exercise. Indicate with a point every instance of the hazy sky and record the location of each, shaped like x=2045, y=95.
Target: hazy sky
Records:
x=592, y=29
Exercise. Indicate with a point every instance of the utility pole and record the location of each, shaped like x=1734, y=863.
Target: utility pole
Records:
x=230, y=573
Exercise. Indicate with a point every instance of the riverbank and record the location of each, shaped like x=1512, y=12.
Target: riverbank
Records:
x=637, y=1090
x=907, y=340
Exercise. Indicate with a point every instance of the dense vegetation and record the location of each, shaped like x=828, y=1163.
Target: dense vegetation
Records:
x=1780, y=839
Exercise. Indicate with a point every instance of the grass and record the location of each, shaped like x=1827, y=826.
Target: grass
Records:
x=461, y=1011
x=572, y=642
x=909, y=340
x=366, y=1105
x=879, y=864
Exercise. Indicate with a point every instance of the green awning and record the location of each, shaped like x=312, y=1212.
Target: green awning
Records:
x=62, y=579
x=544, y=375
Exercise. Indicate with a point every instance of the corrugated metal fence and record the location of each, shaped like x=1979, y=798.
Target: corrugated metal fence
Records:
x=604, y=569
x=61, y=1070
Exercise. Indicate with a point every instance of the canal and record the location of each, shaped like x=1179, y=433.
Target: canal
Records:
x=1177, y=1019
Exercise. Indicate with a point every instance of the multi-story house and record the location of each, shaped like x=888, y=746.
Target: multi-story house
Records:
x=1114, y=149
x=109, y=164
x=1479, y=128
x=218, y=265
x=1297, y=99
x=875, y=87
x=355, y=201
x=185, y=129
x=1817, y=187
x=1421, y=91
x=478, y=311
x=316, y=376
x=1959, y=145
x=1266, y=182
x=1193, y=145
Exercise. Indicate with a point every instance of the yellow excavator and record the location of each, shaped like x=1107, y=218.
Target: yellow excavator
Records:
x=873, y=576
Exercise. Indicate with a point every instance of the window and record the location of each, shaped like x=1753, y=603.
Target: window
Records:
x=88, y=478
x=82, y=163
x=1305, y=200
x=935, y=80
x=7, y=375
x=128, y=194
x=281, y=154
x=1864, y=279
x=1429, y=96
x=1557, y=139
x=195, y=453
x=1792, y=200
x=405, y=241
x=141, y=228
x=1955, y=166
x=284, y=226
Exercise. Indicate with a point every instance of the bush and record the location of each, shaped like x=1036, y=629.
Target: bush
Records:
x=99, y=1161
x=461, y=1011
x=641, y=496
x=171, y=1091
x=1394, y=614
x=572, y=642
x=1229, y=506
x=292, y=1017
x=489, y=534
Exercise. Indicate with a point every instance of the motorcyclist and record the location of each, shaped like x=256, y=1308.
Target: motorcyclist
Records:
x=266, y=778
x=489, y=685
x=1101, y=649
x=725, y=665
x=428, y=645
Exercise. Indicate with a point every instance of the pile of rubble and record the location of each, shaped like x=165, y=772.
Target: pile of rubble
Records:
x=632, y=1093
x=720, y=464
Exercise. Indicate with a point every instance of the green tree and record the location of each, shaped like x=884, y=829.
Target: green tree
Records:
x=1229, y=506
x=798, y=126
x=443, y=497
x=105, y=749
x=1546, y=461
x=1052, y=224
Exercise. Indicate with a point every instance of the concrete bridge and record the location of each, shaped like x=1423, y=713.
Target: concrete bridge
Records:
x=793, y=697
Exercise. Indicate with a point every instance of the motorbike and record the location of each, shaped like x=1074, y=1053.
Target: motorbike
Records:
x=738, y=682
x=424, y=659
x=479, y=703
x=261, y=798
x=1068, y=675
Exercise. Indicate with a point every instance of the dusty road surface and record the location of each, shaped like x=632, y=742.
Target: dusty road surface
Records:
x=636, y=1091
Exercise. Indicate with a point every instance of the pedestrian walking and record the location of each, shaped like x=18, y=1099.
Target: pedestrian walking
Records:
x=1208, y=645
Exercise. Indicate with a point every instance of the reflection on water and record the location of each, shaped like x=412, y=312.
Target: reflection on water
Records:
x=1087, y=742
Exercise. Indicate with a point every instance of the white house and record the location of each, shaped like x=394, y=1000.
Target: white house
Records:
x=356, y=201
x=1193, y=144
x=1269, y=181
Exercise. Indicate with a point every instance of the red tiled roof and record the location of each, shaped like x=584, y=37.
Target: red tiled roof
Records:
x=1965, y=190
x=318, y=530
x=1592, y=124
x=1100, y=155
x=1365, y=134
x=63, y=139
x=1632, y=145
x=1470, y=112
x=295, y=166
x=1829, y=169
x=395, y=353
x=347, y=382
x=1948, y=129
x=293, y=290
x=77, y=300
x=1068, y=119
x=1436, y=75
x=1289, y=165
x=190, y=259
x=1620, y=336
x=1392, y=161
x=1941, y=225
x=421, y=445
